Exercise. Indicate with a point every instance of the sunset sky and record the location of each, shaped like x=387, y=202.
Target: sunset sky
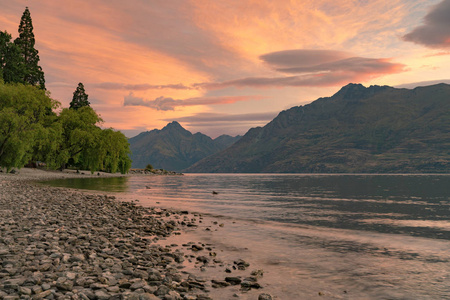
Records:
x=223, y=66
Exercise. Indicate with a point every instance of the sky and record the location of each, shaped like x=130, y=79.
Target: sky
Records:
x=224, y=66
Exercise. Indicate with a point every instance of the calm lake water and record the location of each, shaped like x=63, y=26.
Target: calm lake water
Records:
x=352, y=236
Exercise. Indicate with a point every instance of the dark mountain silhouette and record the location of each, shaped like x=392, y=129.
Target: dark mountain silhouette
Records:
x=379, y=129
x=174, y=148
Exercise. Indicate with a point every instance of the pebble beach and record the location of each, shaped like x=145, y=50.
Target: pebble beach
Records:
x=59, y=243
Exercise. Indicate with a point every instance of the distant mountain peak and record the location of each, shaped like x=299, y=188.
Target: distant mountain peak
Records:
x=353, y=86
x=355, y=91
x=173, y=147
x=173, y=124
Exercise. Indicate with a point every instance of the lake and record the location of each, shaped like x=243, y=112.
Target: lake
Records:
x=345, y=236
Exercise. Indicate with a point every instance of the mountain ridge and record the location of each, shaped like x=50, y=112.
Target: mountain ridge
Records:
x=173, y=147
x=358, y=129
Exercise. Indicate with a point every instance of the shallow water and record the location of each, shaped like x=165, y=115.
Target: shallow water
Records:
x=345, y=236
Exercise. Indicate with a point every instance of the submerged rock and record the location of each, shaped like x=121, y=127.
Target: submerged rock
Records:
x=265, y=297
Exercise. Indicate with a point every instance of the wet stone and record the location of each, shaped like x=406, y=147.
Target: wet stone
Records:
x=219, y=283
x=196, y=248
x=241, y=264
x=265, y=297
x=203, y=259
x=233, y=280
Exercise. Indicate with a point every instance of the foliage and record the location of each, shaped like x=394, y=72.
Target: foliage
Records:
x=80, y=98
x=116, y=151
x=29, y=131
x=14, y=139
x=149, y=167
x=48, y=141
x=75, y=139
x=23, y=109
x=109, y=152
x=79, y=133
x=33, y=72
x=12, y=64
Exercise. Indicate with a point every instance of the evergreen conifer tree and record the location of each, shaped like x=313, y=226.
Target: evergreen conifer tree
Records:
x=12, y=65
x=5, y=39
x=80, y=98
x=33, y=72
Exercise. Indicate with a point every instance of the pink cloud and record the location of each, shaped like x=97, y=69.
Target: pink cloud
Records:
x=167, y=103
x=139, y=87
x=438, y=54
x=218, y=118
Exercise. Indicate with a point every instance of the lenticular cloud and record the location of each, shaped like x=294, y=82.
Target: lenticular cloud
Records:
x=435, y=32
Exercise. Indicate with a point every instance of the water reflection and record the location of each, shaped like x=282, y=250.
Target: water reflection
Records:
x=105, y=184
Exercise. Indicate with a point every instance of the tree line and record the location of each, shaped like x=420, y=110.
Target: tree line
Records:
x=30, y=129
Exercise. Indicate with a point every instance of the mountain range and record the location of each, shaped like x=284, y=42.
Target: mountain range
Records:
x=376, y=129
x=174, y=148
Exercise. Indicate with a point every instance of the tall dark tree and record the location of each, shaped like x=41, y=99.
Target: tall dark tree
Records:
x=80, y=98
x=5, y=39
x=33, y=72
x=12, y=64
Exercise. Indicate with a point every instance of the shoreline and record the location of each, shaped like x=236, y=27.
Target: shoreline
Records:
x=70, y=244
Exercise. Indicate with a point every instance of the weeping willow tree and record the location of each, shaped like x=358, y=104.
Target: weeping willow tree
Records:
x=78, y=141
x=109, y=153
x=30, y=131
x=24, y=110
